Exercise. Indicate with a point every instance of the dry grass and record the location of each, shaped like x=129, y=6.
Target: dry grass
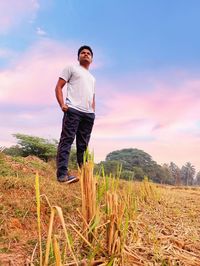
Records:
x=89, y=203
x=99, y=221
x=169, y=229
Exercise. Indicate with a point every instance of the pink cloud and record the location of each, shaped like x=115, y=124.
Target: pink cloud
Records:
x=162, y=120
x=13, y=13
x=163, y=105
x=32, y=78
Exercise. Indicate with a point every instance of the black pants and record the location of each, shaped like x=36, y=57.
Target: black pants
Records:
x=75, y=123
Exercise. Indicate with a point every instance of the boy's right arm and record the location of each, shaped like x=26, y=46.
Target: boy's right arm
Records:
x=59, y=94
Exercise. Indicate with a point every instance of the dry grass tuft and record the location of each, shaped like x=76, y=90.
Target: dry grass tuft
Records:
x=89, y=204
x=115, y=212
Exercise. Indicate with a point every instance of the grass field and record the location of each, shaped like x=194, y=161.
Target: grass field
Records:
x=101, y=221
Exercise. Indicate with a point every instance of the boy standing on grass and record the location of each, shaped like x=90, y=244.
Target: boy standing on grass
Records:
x=79, y=111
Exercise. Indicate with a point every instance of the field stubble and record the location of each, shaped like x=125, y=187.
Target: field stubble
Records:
x=101, y=221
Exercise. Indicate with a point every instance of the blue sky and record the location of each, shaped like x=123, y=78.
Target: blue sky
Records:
x=146, y=62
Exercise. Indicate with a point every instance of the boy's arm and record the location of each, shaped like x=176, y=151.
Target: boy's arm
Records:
x=59, y=94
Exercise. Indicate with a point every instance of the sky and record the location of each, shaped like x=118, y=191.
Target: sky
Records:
x=146, y=64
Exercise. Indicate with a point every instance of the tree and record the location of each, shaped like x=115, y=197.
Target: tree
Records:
x=162, y=175
x=30, y=145
x=187, y=174
x=72, y=158
x=2, y=148
x=197, y=179
x=110, y=167
x=14, y=150
x=167, y=177
x=127, y=175
x=138, y=173
x=175, y=172
x=130, y=158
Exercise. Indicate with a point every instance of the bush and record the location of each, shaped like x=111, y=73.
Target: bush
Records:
x=127, y=175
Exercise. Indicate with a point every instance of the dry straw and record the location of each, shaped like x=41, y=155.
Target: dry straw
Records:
x=147, y=190
x=88, y=196
x=51, y=235
x=37, y=190
x=115, y=212
x=57, y=209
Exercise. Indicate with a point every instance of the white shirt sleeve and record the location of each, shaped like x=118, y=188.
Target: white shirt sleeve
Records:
x=66, y=73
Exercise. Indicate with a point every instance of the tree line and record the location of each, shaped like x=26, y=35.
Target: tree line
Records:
x=134, y=163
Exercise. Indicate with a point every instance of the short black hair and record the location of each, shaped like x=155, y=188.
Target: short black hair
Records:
x=85, y=47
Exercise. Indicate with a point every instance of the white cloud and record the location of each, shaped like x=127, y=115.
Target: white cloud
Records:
x=13, y=12
x=32, y=78
x=40, y=32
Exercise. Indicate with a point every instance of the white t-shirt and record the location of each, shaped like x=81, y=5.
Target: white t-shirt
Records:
x=80, y=88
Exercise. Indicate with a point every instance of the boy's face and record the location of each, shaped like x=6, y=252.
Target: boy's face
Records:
x=85, y=56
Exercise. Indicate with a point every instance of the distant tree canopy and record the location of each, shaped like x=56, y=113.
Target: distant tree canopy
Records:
x=44, y=149
x=130, y=158
x=30, y=145
x=135, y=164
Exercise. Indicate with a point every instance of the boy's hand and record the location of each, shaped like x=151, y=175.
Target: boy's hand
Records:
x=64, y=107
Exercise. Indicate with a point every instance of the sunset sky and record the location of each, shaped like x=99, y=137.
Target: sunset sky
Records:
x=146, y=64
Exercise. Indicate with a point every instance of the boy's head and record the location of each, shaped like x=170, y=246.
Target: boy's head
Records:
x=85, y=56
x=85, y=47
